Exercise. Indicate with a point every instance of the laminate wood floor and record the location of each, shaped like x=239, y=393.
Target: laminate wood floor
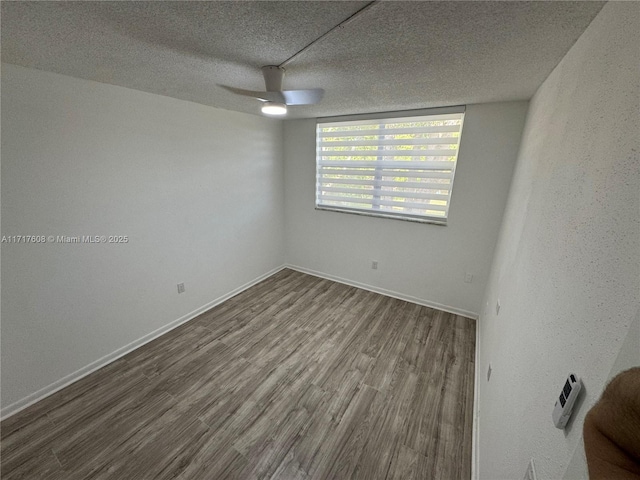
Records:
x=296, y=378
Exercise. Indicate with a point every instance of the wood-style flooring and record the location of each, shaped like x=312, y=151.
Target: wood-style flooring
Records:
x=295, y=378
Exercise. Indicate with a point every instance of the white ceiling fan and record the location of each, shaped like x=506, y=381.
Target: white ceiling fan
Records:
x=275, y=99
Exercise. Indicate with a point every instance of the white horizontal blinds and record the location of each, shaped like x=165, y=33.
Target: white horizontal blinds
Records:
x=394, y=166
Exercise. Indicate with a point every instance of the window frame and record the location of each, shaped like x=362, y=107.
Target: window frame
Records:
x=436, y=220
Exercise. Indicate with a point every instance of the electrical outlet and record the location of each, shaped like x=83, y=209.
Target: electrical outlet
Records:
x=489, y=370
x=468, y=278
x=374, y=264
x=498, y=307
x=181, y=288
x=530, y=474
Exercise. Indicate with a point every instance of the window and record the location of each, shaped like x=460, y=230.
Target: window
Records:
x=398, y=167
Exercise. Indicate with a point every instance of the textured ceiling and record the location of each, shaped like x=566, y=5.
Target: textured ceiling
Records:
x=394, y=56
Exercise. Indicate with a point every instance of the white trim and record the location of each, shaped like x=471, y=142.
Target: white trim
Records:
x=475, y=451
x=395, y=114
x=52, y=388
x=388, y=293
x=405, y=218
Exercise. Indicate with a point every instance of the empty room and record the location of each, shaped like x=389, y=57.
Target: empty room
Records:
x=320, y=240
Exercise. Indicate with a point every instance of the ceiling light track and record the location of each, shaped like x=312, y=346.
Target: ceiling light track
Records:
x=340, y=25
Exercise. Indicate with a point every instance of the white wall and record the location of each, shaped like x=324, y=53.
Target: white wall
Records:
x=198, y=190
x=421, y=262
x=567, y=265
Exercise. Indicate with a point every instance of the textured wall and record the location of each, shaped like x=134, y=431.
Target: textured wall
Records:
x=198, y=190
x=423, y=262
x=567, y=265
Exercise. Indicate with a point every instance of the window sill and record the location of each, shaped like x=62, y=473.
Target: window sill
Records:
x=432, y=221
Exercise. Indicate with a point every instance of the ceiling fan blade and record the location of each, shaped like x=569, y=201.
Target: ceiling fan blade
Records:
x=303, y=97
x=277, y=97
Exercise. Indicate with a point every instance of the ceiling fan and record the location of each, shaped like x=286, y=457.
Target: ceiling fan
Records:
x=275, y=99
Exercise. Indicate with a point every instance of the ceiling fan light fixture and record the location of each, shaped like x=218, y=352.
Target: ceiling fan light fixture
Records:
x=274, y=108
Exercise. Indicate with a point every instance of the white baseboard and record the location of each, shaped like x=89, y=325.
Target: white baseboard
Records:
x=29, y=400
x=475, y=452
x=388, y=293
